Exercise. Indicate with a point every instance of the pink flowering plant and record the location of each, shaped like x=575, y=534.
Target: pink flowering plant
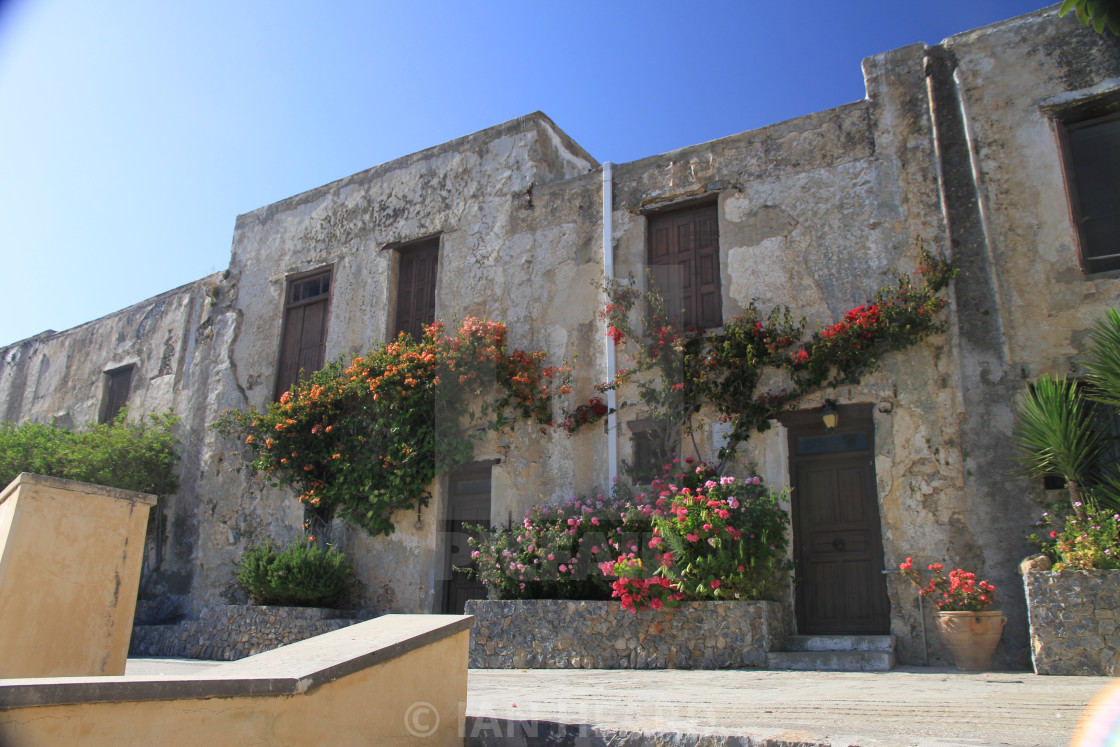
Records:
x=556, y=549
x=693, y=535
x=960, y=592
x=636, y=591
x=1089, y=543
x=722, y=538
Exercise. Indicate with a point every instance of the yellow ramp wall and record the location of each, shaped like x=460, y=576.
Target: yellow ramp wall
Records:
x=70, y=556
x=396, y=680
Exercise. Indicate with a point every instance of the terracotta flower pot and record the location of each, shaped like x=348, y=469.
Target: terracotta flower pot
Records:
x=972, y=637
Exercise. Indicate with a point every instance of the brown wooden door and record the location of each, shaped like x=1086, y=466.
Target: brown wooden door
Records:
x=838, y=548
x=468, y=504
x=684, y=259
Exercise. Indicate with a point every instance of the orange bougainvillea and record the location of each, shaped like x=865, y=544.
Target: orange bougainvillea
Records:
x=364, y=438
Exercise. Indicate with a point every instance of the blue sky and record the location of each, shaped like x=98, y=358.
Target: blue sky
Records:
x=133, y=132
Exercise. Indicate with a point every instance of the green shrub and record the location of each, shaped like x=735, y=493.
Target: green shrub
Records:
x=300, y=576
x=136, y=456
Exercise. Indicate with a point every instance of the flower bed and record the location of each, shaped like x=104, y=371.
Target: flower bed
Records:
x=576, y=634
x=1075, y=621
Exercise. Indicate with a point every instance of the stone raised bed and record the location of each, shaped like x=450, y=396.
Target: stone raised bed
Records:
x=231, y=632
x=572, y=634
x=1074, y=618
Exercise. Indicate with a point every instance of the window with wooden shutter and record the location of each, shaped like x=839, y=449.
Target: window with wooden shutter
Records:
x=118, y=387
x=1091, y=154
x=416, y=288
x=303, y=338
x=683, y=255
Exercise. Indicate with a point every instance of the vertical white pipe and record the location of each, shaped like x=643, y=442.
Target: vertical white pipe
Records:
x=608, y=275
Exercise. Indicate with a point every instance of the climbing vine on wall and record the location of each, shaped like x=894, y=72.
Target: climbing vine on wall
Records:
x=363, y=439
x=677, y=371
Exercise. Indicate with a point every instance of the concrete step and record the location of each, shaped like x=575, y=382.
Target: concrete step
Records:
x=831, y=661
x=840, y=643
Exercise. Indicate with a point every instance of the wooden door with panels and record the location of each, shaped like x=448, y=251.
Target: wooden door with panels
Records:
x=837, y=535
x=468, y=503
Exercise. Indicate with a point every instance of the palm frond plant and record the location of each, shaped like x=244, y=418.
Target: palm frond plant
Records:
x=1103, y=363
x=1056, y=435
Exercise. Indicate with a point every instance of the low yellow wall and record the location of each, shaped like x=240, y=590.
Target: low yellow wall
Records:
x=70, y=556
x=396, y=680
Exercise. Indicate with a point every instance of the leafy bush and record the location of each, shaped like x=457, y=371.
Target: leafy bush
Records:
x=723, y=538
x=136, y=456
x=556, y=550
x=363, y=439
x=1085, y=544
x=693, y=535
x=300, y=576
x=1062, y=427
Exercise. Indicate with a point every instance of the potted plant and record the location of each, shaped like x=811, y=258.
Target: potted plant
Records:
x=1063, y=430
x=965, y=617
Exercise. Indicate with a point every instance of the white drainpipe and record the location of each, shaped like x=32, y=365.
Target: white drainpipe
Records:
x=608, y=275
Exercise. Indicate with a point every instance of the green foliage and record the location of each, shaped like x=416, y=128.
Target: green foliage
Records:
x=555, y=551
x=677, y=371
x=136, y=456
x=1058, y=430
x=302, y=575
x=1088, y=543
x=723, y=538
x=364, y=439
x=1104, y=360
x=693, y=535
x=1097, y=14
x=1056, y=433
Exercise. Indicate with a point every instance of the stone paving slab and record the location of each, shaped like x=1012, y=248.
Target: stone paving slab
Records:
x=925, y=707
x=906, y=706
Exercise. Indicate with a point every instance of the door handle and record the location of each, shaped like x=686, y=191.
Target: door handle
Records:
x=838, y=544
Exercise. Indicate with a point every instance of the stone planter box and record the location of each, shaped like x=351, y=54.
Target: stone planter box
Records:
x=1074, y=618
x=572, y=634
x=235, y=631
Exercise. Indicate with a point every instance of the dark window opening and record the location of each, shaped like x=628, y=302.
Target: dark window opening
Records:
x=683, y=254
x=416, y=288
x=649, y=451
x=303, y=337
x=118, y=387
x=1091, y=150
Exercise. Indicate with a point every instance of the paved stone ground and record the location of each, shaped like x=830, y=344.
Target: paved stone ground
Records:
x=906, y=706
x=742, y=708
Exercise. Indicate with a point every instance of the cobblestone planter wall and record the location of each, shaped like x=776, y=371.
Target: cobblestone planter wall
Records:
x=231, y=632
x=565, y=634
x=1074, y=617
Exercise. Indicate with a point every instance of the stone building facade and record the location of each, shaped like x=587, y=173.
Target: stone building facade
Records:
x=976, y=145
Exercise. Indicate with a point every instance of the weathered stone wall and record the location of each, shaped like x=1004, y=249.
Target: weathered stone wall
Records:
x=170, y=341
x=953, y=144
x=1074, y=619
x=504, y=250
x=566, y=634
x=232, y=632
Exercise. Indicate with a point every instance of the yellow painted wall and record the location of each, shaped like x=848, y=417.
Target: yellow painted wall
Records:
x=415, y=699
x=70, y=556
